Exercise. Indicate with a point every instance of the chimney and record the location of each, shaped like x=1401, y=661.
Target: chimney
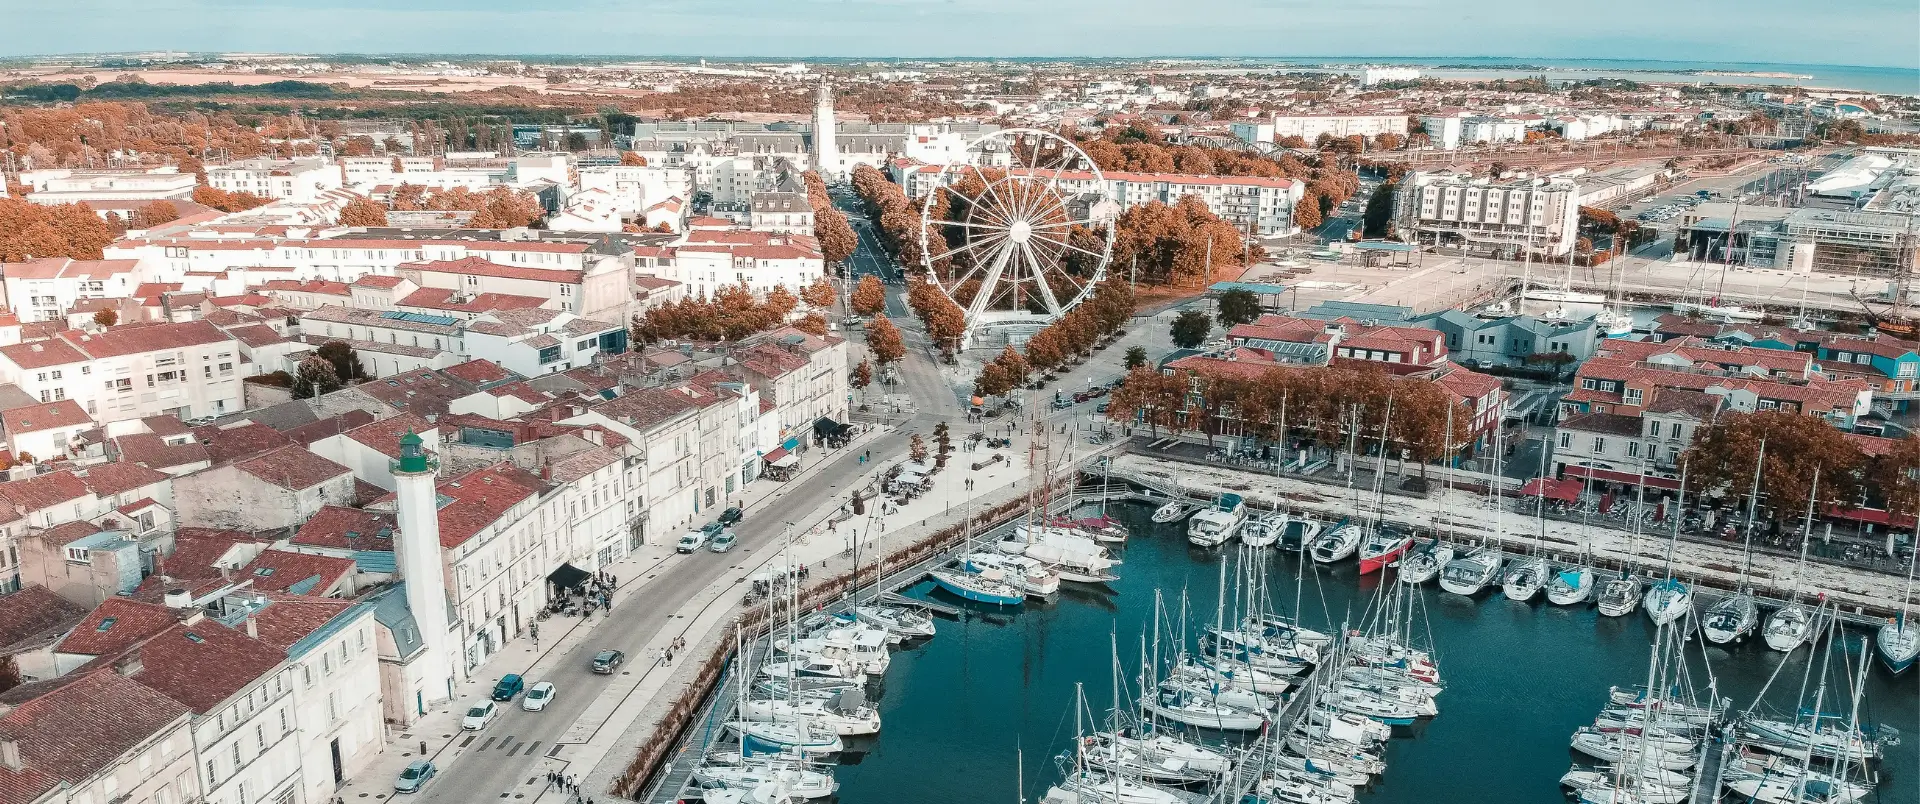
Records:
x=129, y=665
x=178, y=599
x=10, y=754
x=253, y=628
x=191, y=615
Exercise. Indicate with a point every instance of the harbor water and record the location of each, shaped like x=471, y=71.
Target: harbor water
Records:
x=981, y=710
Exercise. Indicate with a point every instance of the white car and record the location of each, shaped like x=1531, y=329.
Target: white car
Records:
x=479, y=715
x=692, y=541
x=537, y=696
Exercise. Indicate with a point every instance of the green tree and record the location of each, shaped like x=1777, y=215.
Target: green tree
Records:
x=1238, y=306
x=1190, y=329
x=314, y=376
x=1136, y=357
x=345, y=361
x=1378, y=220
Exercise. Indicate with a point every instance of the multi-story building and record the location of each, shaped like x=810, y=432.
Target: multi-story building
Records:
x=65, y=186
x=188, y=370
x=785, y=212
x=1625, y=376
x=704, y=260
x=1254, y=205
x=104, y=737
x=1640, y=447
x=1310, y=127
x=1485, y=216
x=1514, y=340
x=297, y=180
x=46, y=289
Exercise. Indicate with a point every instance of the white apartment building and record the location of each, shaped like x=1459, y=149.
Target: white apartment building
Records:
x=187, y=370
x=805, y=376
x=1254, y=205
x=1310, y=127
x=139, y=745
x=635, y=188
x=1482, y=215
x=1443, y=131
x=706, y=259
x=64, y=186
x=532, y=342
x=1374, y=75
x=479, y=173
x=298, y=180
x=782, y=212
x=1491, y=130
x=337, y=698
x=45, y=289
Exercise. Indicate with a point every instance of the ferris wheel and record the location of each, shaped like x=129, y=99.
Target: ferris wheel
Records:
x=1018, y=229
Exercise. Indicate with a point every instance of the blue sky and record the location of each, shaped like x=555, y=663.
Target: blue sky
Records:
x=1862, y=32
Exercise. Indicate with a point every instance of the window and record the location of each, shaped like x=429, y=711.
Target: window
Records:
x=1566, y=440
x=1633, y=449
x=78, y=555
x=213, y=774
x=550, y=354
x=1588, y=383
x=1676, y=430
x=1633, y=396
x=583, y=345
x=1599, y=445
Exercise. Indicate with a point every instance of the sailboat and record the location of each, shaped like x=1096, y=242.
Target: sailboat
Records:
x=1736, y=615
x=1899, y=639
x=1471, y=573
x=1670, y=598
x=1386, y=544
x=1340, y=543
x=1618, y=596
x=968, y=581
x=1527, y=576
x=1790, y=624
x=1570, y=585
x=1171, y=512
x=1263, y=530
x=1424, y=561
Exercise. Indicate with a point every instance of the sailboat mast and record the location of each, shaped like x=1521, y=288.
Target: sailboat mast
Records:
x=1753, y=506
x=1679, y=512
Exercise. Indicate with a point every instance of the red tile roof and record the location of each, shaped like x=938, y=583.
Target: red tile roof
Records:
x=480, y=498
x=115, y=625
x=111, y=479
x=377, y=281
x=44, y=491
x=279, y=570
x=306, y=434
x=203, y=664
x=149, y=450
x=480, y=266
x=239, y=441
x=128, y=340
x=453, y=300
x=42, y=417
x=79, y=730
x=384, y=436
x=293, y=468
x=33, y=615
x=347, y=528
x=287, y=619
x=479, y=372
x=42, y=354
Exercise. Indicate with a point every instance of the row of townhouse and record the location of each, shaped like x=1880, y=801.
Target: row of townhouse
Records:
x=1889, y=364
x=235, y=696
x=1636, y=406
x=709, y=257
x=189, y=370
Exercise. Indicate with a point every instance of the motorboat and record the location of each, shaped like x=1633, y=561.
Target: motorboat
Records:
x=1101, y=752
x=1298, y=532
x=1262, y=531
x=978, y=588
x=1730, y=313
x=1023, y=572
x=1525, y=578
x=1215, y=526
x=1424, y=561
x=864, y=649
x=1668, y=600
x=1615, y=747
x=1096, y=787
x=1171, y=512
x=770, y=792
x=1731, y=619
x=902, y=623
x=1471, y=573
x=1570, y=586
x=1103, y=529
x=1174, y=703
x=1613, y=323
x=803, y=780
x=797, y=735
x=851, y=719
x=1383, y=546
x=1619, y=596
x=1338, y=544
x=803, y=666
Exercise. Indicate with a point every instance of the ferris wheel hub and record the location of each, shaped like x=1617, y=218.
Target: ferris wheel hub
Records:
x=1020, y=231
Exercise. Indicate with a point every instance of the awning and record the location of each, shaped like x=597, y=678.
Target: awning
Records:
x=1627, y=478
x=568, y=576
x=785, y=461
x=790, y=444
x=1874, y=516
x=824, y=426
x=1562, y=490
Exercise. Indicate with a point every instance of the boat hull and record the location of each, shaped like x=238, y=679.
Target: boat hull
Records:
x=1374, y=563
x=961, y=588
x=1898, y=643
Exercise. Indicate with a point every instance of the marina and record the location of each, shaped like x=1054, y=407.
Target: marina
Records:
x=991, y=702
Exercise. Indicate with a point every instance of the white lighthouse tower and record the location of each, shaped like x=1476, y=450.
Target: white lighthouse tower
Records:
x=826, y=155
x=416, y=550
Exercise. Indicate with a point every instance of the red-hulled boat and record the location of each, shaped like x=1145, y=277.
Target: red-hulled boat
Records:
x=1384, y=546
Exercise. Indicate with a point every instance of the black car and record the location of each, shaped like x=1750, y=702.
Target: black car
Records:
x=732, y=516
x=607, y=661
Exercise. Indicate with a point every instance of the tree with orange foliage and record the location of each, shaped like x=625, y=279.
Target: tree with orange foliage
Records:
x=1306, y=213
x=409, y=197
x=106, y=318
x=29, y=230
x=837, y=238
x=226, y=201
x=812, y=324
x=363, y=212
x=153, y=214
x=862, y=374
x=632, y=159
x=820, y=294
x=357, y=146
x=869, y=297
x=781, y=301
x=884, y=342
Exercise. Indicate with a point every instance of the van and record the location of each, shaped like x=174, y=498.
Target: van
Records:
x=693, y=540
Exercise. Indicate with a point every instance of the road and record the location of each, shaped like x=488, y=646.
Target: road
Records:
x=636, y=618
x=514, y=746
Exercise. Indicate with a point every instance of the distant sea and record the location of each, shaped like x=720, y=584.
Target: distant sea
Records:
x=1890, y=80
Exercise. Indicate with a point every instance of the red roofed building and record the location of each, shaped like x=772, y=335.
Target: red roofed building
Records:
x=1251, y=203
x=46, y=289
x=277, y=489
x=369, y=449
x=103, y=737
x=188, y=370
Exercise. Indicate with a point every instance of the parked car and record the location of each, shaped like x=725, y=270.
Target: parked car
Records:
x=414, y=777
x=723, y=542
x=607, y=661
x=691, y=541
x=538, y=696
x=712, y=529
x=479, y=715
x=1103, y=407
x=1062, y=404
x=732, y=516
x=508, y=686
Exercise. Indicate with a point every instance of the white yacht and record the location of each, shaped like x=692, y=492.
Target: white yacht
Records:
x=1215, y=526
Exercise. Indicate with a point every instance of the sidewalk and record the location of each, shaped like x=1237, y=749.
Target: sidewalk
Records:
x=439, y=730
